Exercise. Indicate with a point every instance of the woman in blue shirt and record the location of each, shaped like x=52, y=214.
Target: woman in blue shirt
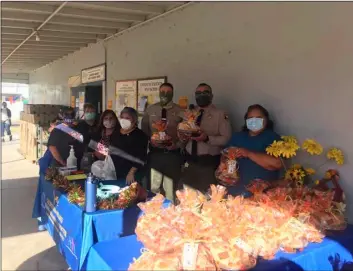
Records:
x=251, y=143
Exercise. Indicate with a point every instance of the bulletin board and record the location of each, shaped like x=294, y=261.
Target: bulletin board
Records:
x=148, y=92
x=125, y=95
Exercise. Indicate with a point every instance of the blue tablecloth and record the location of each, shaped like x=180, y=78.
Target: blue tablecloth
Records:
x=75, y=231
x=334, y=253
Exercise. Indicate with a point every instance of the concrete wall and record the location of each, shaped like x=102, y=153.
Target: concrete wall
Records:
x=22, y=78
x=294, y=58
x=49, y=84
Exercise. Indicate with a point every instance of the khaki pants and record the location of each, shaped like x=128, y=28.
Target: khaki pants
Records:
x=165, y=169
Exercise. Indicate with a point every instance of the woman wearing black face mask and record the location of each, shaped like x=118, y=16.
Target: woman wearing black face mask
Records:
x=203, y=151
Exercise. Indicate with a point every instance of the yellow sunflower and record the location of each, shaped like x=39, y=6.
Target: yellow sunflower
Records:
x=312, y=147
x=275, y=148
x=289, y=149
x=310, y=171
x=337, y=155
x=295, y=174
x=290, y=139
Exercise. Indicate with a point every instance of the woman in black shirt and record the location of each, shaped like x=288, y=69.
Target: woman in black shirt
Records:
x=134, y=142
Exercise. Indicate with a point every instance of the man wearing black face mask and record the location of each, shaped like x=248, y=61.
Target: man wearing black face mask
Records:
x=203, y=151
x=164, y=163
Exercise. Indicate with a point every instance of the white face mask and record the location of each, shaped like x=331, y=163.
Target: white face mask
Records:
x=125, y=124
x=109, y=124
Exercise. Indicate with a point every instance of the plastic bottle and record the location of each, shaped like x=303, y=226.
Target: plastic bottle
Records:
x=71, y=160
x=90, y=194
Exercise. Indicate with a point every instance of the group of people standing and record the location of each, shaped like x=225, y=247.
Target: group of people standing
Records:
x=187, y=162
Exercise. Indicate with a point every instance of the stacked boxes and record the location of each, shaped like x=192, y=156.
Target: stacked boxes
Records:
x=41, y=114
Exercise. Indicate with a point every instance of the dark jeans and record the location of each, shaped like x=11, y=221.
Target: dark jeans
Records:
x=5, y=126
x=199, y=173
x=165, y=170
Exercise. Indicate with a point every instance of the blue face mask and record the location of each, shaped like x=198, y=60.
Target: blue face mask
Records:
x=255, y=124
x=90, y=116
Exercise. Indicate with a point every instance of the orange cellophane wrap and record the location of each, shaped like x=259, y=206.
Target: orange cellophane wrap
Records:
x=160, y=126
x=227, y=171
x=257, y=186
x=231, y=232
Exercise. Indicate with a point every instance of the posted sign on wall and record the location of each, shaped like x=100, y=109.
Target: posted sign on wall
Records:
x=148, y=92
x=126, y=94
x=93, y=74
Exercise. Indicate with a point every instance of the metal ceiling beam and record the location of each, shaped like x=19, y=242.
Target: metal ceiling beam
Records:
x=46, y=33
x=61, y=28
x=16, y=24
x=71, y=12
x=33, y=48
x=129, y=7
x=47, y=43
x=34, y=32
x=18, y=16
x=8, y=37
x=150, y=20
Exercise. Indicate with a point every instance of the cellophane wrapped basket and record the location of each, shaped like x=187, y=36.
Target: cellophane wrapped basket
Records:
x=230, y=233
x=188, y=128
x=160, y=138
x=227, y=172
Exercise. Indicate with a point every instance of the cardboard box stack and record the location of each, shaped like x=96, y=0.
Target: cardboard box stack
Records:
x=41, y=114
x=35, y=115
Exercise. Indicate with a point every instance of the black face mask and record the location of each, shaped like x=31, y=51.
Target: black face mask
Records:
x=203, y=99
x=165, y=97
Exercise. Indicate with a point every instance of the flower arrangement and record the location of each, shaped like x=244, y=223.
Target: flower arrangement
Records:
x=288, y=147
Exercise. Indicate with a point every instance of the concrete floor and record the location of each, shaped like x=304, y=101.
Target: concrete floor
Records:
x=23, y=247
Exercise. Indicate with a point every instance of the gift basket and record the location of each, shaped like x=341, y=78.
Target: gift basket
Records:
x=227, y=172
x=188, y=128
x=160, y=138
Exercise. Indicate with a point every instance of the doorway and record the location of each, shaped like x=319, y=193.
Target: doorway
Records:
x=93, y=95
x=90, y=93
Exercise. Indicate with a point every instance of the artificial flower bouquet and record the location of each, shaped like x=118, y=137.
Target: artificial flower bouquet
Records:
x=288, y=147
x=227, y=172
x=188, y=127
x=160, y=138
x=317, y=191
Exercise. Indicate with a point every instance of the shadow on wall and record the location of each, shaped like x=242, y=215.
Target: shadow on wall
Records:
x=49, y=259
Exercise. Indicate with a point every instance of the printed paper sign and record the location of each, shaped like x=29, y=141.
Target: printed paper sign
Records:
x=126, y=95
x=148, y=92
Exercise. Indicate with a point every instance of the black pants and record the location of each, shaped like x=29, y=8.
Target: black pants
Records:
x=165, y=170
x=199, y=173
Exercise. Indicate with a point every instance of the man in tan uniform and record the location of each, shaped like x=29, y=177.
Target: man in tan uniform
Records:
x=203, y=151
x=164, y=163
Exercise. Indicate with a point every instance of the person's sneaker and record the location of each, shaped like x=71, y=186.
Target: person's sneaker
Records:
x=10, y=137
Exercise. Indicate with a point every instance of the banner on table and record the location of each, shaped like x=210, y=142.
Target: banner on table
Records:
x=148, y=92
x=63, y=221
x=126, y=94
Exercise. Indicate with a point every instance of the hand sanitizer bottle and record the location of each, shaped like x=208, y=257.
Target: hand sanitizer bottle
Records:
x=71, y=160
